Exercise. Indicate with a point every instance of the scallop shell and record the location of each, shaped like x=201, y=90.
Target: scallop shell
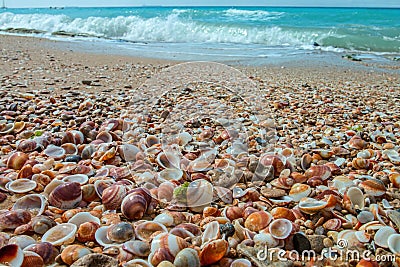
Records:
x=394, y=243
x=21, y=186
x=62, y=234
x=382, y=235
x=299, y=191
x=12, y=255
x=146, y=229
x=34, y=203
x=280, y=228
x=17, y=160
x=66, y=196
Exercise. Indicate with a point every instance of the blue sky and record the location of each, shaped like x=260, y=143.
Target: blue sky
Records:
x=347, y=3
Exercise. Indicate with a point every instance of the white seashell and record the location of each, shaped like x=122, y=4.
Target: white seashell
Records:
x=54, y=151
x=339, y=161
x=342, y=182
x=265, y=239
x=136, y=263
x=168, y=160
x=171, y=174
x=83, y=217
x=62, y=234
x=386, y=204
x=376, y=210
x=20, y=186
x=211, y=232
x=184, y=138
x=199, y=195
x=356, y=197
x=165, y=219
x=280, y=228
x=382, y=235
x=371, y=226
x=285, y=200
x=394, y=243
x=16, y=258
x=362, y=236
x=350, y=237
x=101, y=238
x=365, y=216
x=241, y=263
x=78, y=178
x=22, y=241
x=34, y=203
x=311, y=205
x=51, y=186
x=299, y=191
x=145, y=229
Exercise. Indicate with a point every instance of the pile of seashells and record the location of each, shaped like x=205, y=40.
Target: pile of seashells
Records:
x=81, y=182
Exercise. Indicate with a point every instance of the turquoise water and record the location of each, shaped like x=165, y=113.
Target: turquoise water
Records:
x=236, y=32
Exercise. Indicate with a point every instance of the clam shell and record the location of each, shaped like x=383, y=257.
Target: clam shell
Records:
x=373, y=187
x=311, y=205
x=365, y=217
x=14, y=218
x=21, y=186
x=61, y=234
x=171, y=174
x=137, y=248
x=382, y=235
x=86, y=231
x=120, y=232
x=211, y=232
x=83, y=217
x=342, y=183
x=6, y=128
x=394, y=243
x=168, y=160
x=112, y=196
x=72, y=253
x=356, y=197
x=280, y=228
x=12, y=255
x=22, y=241
x=299, y=191
x=332, y=224
x=362, y=236
x=41, y=224
x=265, y=239
x=136, y=263
x=32, y=259
x=258, y=221
x=350, y=237
x=101, y=237
x=77, y=178
x=66, y=196
x=284, y=213
x=34, y=203
x=146, y=229
x=241, y=263
x=46, y=250
x=55, y=152
x=213, y=251
x=17, y=160
x=321, y=171
x=28, y=145
x=187, y=257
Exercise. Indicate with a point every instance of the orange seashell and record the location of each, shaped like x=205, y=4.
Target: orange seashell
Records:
x=211, y=211
x=274, y=161
x=284, y=213
x=321, y=171
x=233, y=212
x=332, y=224
x=395, y=179
x=72, y=253
x=283, y=182
x=335, y=169
x=32, y=259
x=25, y=172
x=86, y=231
x=298, y=177
x=17, y=160
x=373, y=187
x=357, y=143
x=361, y=164
x=258, y=221
x=315, y=181
x=247, y=211
x=213, y=251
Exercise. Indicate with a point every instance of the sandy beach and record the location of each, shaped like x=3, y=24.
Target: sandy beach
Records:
x=336, y=123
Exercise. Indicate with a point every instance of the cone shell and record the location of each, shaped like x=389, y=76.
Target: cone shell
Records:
x=258, y=221
x=66, y=196
x=213, y=251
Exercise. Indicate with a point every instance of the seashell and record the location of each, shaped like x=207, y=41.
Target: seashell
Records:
x=41, y=224
x=22, y=241
x=232, y=212
x=395, y=179
x=101, y=237
x=136, y=263
x=350, y=237
x=171, y=174
x=333, y=224
x=377, y=212
x=165, y=192
x=184, y=138
x=306, y=161
x=66, y=196
x=14, y=218
x=71, y=150
x=120, y=232
x=192, y=228
x=361, y=164
x=258, y=221
x=128, y=152
x=166, y=247
x=211, y=232
x=394, y=243
x=200, y=164
x=112, y=196
x=366, y=154
x=104, y=137
x=27, y=145
x=21, y=186
x=187, y=257
x=51, y=186
x=371, y=226
x=283, y=213
x=89, y=193
x=274, y=161
x=88, y=151
x=367, y=263
x=357, y=143
x=168, y=160
x=321, y=171
x=181, y=233
x=342, y=183
x=373, y=187
x=137, y=248
x=45, y=250
x=363, y=236
x=282, y=201
x=283, y=182
x=382, y=235
x=6, y=128
x=224, y=194
x=101, y=185
x=394, y=216
x=280, y=228
x=356, y=198
x=86, y=231
x=55, y=152
x=199, y=195
x=109, y=154
x=298, y=191
x=213, y=251
x=311, y=205
x=135, y=204
x=74, y=137
x=72, y=253
x=365, y=217
x=334, y=167
x=83, y=217
x=161, y=257
x=62, y=234
x=17, y=160
x=146, y=229
x=265, y=239
x=152, y=140
x=77, y=178
x=168, y=218
x=32, y=259
x=34, y=203
x=241, y=263
x=12, y=255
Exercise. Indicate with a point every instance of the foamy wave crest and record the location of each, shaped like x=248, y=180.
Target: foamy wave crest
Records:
x=161, y=29
x=253, y=14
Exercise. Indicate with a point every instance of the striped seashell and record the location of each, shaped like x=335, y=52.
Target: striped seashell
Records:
x=113, y=196
x=66, y=196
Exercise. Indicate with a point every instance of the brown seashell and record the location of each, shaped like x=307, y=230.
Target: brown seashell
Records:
x=120, y=232
x=298, y=177
x=72, y=253
x=67, y=215
x=258, y=221
x=247, y=211
x=74, y=137
x=213, y=251
x=233, y=212
x=32, y=259
x=194, y=229
x=357, y=143
x=66, y=196
x=395, y=179
x=160, y=255
x=211, y=211
x=89, y=193
x=112, y=196
x=321, y=171
x=86, y=231
x=373, y=187
x=17, y=160
x=46, y=250
x=28, y=145
x=284, y=213
x=335, y=169
x=14, y=218
x=11, y=255
x=283, y=182
x=315, y=181
x=40, y=224
x=137, y=248
x=135, y=204
x=332, y=224
x=306, y=161
x=361, y=164
x=274, y=161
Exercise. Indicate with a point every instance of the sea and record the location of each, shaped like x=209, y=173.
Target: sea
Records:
x=216, y=33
